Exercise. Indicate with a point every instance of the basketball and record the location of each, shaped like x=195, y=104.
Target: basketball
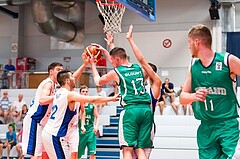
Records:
x=92, y=51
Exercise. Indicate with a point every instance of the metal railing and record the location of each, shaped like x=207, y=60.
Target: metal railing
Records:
x=14, y=79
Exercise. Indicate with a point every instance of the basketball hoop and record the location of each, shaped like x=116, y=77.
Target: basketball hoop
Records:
x=112, y=13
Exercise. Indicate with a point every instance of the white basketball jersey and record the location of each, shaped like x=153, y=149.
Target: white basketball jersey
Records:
x=74, y=121
x=37, y=111
x=61, y=115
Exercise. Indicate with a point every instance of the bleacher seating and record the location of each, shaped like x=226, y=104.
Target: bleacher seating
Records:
x=175, y=137
x=3, y=130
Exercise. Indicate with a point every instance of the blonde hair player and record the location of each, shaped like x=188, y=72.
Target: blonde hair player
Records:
x=152, y=80
x=210, y=87
x=134, y=99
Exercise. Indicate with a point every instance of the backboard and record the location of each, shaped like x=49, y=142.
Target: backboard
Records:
x=144, y=8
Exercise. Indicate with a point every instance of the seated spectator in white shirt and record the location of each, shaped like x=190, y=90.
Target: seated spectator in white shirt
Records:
x=17, y=107
x=5, y=107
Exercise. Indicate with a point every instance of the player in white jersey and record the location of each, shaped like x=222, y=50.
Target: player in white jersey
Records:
x=71, y=140
x=40, y=109
x=154, y=83
x=31, y=141
x=63, y=110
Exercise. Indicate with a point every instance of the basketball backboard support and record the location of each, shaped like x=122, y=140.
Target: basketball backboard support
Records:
x=144, y=8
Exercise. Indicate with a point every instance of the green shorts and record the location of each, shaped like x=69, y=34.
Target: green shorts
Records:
x=87, y=140
x=218, y=140
x=135, y=125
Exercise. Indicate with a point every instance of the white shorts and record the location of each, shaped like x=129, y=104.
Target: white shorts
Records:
x=71, y=139
x=53, y=146
x=32, y=138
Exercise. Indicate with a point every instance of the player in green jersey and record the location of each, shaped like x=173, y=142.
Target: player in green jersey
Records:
x=135, y=123
x=211, y=88
x=88, y=137
x=152, y=80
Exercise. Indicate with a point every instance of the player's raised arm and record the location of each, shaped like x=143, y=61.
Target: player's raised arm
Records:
x=80, y=70
x=110, y=40
x=155, y=78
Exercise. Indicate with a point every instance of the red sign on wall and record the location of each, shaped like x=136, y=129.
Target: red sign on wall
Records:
x=167, y=43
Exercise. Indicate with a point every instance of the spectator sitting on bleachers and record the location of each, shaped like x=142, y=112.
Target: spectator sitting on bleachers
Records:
x=17, y=107
x=21, y=116
x=5, y=107
x=184, y=106
x=10, y=141
x=23, y=113
x=168, y=89
x=19, y=145
x=160, y=102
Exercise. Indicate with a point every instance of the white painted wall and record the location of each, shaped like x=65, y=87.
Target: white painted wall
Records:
x=151, y=46
x=172, y=16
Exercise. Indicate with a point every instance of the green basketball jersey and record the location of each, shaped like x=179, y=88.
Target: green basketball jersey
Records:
x=131, y=84
x=89, y=121
x=221, y=102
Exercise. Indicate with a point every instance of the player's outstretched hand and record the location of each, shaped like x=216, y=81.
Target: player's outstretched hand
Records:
x=100, y=48
x=117, y=97
x=91, y=61
x=109, y=38
x=129, y=33
x=95, y=44
x=84, y=58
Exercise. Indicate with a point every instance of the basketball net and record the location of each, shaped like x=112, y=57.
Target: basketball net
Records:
x=112, y=13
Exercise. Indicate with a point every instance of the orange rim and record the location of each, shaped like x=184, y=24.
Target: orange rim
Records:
x=109, y=3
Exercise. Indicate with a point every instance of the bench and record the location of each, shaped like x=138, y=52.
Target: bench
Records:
x=175, y=137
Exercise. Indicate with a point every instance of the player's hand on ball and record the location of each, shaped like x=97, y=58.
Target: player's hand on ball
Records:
x=99, y=47
x=85, y=58
x=93, y=51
